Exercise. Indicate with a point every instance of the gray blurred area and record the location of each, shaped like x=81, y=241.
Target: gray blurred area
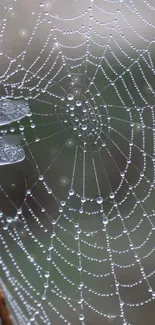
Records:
x=40, y=46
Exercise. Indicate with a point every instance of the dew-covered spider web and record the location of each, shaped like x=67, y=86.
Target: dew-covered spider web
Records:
x=77, y=161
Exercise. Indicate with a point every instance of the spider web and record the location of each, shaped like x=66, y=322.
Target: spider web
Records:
x=77, y=213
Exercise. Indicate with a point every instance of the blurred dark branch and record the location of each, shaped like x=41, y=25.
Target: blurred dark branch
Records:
x=5, y=316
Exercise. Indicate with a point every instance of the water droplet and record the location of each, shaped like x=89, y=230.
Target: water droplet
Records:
x=63, y=203
x=105, y=220
x=9, y=219
x=111, y=195
x=43, y=297
x=5, y=227
x=70, y=97
x=47, y=274
x=46, y=285
x=81, y=284
x=12, y=129
x=76, y=225
x=84, y=127
x=21, y=127
x=99, y=200
x=81, y=317
x=78, y=103
x=71, y=192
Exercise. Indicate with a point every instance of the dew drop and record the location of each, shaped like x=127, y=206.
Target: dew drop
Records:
x=21, y=127
x=76, y=225
x=70, y=97
x=81, y=284
x=78, y=103
x=99, y=200
x=5, y=227
x=47, y=274
x=84, y=127
x=105, y=220
x=43, y=297
x=111, y=195
x=81, y=317
x=12, y=129
x=9, y=219
x=71, y=192
x=46, y=285
x=72, y=108
x=63, y=203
